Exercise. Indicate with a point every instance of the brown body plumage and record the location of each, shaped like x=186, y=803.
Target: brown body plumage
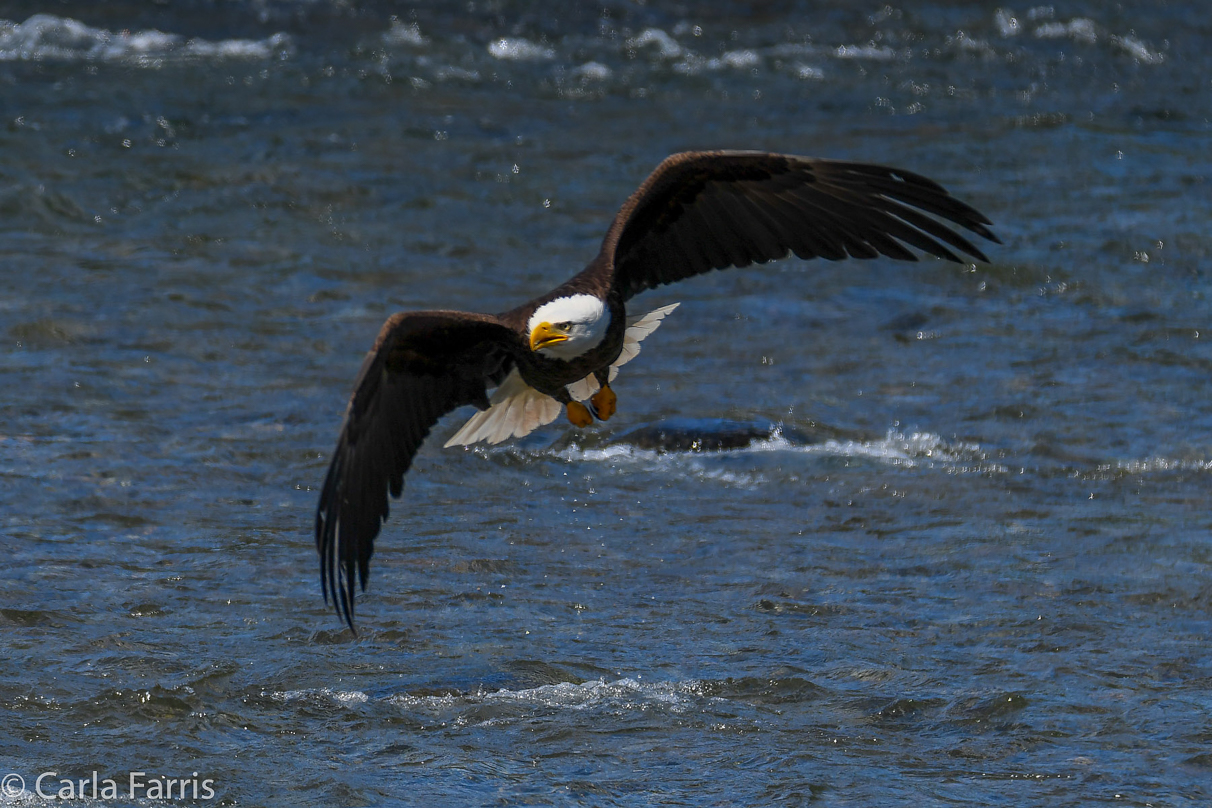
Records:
x=698, y=211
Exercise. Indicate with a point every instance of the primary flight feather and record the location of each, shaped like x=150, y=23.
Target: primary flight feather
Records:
x=698, y=211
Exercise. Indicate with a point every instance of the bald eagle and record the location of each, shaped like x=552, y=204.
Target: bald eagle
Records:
x=698, y=211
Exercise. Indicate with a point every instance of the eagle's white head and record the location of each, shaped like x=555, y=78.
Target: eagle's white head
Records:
x=567, y=327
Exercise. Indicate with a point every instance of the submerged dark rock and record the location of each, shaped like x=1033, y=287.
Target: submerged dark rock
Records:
x=708, y=435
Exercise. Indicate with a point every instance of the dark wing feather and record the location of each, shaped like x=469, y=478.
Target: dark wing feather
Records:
x=423, y=365
x=700, y=211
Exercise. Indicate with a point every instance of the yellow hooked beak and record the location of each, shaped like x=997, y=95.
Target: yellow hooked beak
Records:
x=545, y=335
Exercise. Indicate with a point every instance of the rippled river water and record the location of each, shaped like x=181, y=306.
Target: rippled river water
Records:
x=862, y=533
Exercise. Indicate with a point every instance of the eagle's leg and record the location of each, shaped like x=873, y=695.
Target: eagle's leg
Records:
x=578, y=413
x=604, y=400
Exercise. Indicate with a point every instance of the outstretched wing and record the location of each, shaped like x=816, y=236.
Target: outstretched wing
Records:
x=700, y=211
x=422, y=366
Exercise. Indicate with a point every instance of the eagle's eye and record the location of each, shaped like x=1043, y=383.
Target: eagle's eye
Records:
x=564, y=326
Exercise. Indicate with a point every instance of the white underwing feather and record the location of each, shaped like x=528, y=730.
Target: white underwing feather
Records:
x=638, y=327
x=517, y=409
x=583, y=389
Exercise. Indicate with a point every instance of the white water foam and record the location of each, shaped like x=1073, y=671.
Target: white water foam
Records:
x=1085, y=31
x=401, y=34
x=917, y=449
x=1159, y=464
x=698, y=465
x=47, y=37
x=516, y=49
x=623, y=695
x=1138, y=50
x=1079, y=29
x=344, y=697
x=663, y=44
x=630, y=695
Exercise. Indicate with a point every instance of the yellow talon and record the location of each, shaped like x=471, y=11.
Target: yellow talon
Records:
x=604, y=402
x=579, y=414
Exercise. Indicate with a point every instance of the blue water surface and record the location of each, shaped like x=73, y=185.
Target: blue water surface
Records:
x=861, y=533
